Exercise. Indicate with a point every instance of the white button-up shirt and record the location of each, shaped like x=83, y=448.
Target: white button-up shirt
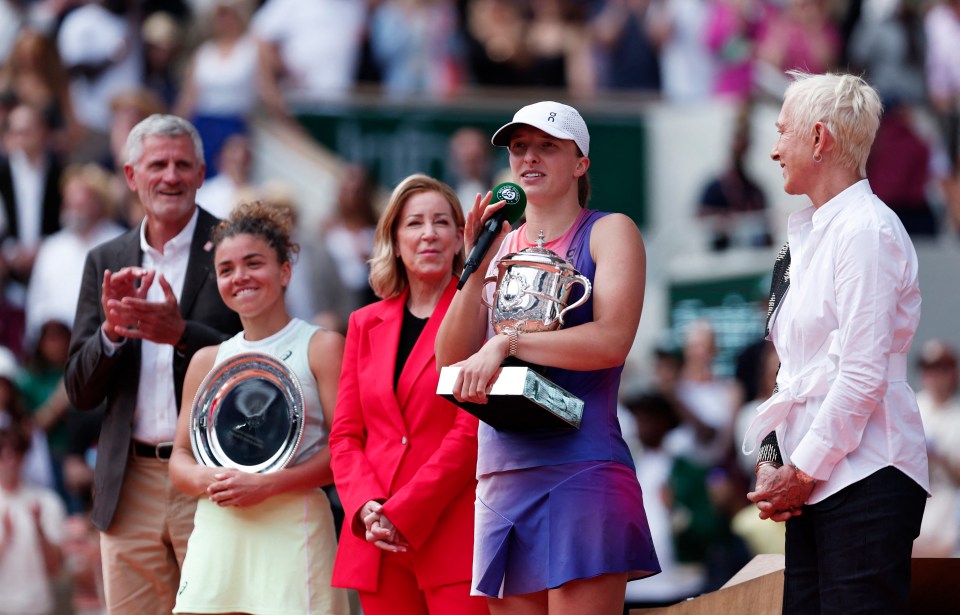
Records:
x=156, y=416
x=844, y=409
x=28, y=186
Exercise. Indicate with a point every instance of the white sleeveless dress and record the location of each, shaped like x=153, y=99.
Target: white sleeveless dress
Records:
x=274, y=558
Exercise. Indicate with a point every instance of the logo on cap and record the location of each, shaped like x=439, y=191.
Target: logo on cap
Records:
x=553, y=117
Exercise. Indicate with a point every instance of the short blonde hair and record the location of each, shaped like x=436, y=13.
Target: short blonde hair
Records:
x=848, y=106
x=388, y=277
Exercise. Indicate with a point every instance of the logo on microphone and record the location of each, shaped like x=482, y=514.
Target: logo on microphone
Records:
x=508, y=193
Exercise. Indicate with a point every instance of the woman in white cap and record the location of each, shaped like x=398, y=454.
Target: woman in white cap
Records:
x=560, y=524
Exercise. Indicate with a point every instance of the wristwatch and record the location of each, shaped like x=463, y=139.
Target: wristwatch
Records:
x=514, y=340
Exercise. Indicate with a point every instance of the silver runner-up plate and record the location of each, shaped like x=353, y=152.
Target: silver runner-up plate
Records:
x=248, y=414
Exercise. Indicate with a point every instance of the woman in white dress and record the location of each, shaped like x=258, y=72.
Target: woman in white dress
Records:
x=262, y=543
x=228, y=75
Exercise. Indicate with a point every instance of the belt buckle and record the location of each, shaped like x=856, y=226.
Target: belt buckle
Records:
x=161, y=448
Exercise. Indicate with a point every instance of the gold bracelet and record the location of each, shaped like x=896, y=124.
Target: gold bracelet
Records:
x=513, y=336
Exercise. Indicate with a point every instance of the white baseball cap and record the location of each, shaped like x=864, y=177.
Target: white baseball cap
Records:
x=556, y=119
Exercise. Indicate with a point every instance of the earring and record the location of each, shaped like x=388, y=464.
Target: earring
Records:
x=818, y=158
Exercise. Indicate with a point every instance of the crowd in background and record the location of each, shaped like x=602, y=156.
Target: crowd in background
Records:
x=75, y=76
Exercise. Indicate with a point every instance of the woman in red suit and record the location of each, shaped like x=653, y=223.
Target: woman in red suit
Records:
x=404, y=459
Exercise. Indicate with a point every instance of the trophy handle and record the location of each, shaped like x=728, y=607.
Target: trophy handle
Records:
x=483, y=294
x=587, y=289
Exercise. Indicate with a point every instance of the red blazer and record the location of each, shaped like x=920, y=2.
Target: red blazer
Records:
x=411, y=449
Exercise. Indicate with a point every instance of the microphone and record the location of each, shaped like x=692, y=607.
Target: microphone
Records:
x=516, y=202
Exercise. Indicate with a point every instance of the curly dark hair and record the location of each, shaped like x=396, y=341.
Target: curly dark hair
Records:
x=271, y=222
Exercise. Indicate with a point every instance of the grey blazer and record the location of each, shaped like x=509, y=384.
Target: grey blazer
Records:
x=93, y=378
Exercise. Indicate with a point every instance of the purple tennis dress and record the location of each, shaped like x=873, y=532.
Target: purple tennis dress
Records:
x=557, y=506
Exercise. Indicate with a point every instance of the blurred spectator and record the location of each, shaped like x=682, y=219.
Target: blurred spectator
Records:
x=496, y=49
x=732, y=205
x=29, y=190
x=83, y=427
x=627, y=43
x=315, y=44
x=667, y=370
x=85, y=215
x=471, y=165
x=887, y=45
x=11, y=21
x=686, y=67
x=31, y=530
x=19, y=15
x=942, y=29
x=340, y=269
x=734, y=28
x=558, y=43
x=702, y=502
x=707, y=403
x=84, y=430
x=766, y=367
x=899, y=170
x=699, y=495
x=416, y=46
x=801, y=36
x=940, y=410
x=848, y=14
x=162, y=48
x=36, y=470
x=227, y=76
x=100, y=45
x=220, y=194
x=81, y=559
x=706, y=486
x=41, y=384
x=34, y=75
x=655, y=416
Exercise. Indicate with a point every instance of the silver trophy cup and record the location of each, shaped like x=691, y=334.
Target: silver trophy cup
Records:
x=533, y=287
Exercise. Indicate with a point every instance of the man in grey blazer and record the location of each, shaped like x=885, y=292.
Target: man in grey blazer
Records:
x=147, y=303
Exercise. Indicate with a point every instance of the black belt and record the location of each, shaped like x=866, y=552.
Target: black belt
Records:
x=152, y=451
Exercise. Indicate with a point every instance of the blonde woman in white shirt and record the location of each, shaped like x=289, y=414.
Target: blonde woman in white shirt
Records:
x=843, y=460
